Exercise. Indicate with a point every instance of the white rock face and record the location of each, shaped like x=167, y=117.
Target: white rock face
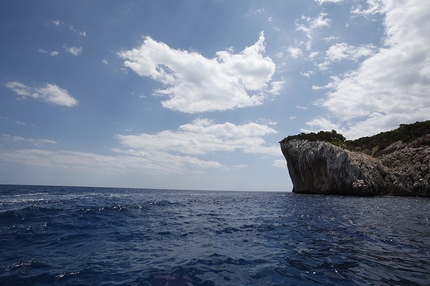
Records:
x=322, y=168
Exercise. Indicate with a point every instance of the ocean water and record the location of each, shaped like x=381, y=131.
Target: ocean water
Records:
x=107, y=236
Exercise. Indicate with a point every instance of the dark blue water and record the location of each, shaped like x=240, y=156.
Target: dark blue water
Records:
x=96, y=236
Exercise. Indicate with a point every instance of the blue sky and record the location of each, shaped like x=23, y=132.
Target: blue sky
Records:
x=197, y=94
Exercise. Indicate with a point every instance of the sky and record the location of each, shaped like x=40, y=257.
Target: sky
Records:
x=191, y=94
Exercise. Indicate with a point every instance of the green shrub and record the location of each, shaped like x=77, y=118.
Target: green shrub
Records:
x=405, y=133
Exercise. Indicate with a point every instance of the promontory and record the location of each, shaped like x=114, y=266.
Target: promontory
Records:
x=390, y=163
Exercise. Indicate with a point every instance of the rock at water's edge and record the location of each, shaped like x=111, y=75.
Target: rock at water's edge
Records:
x=323, y=168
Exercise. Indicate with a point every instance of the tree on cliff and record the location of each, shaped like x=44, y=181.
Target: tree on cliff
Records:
x=406, y=133
x=325, y=136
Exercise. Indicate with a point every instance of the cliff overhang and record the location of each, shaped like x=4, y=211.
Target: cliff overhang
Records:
x=320, y=167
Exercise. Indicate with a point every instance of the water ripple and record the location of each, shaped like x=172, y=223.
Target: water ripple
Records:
x=69, y=236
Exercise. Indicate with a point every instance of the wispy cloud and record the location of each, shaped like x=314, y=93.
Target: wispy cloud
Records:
x=373, y=7
x=127, y=161
x=280, y=164
x=49, y=93
x=327, y=1
x=74, y=50
x=81, y=33
x=19, y=139
x=309, y=25
x=52, y=53
x=343, y=51
x=57, y=22
x=198, y=84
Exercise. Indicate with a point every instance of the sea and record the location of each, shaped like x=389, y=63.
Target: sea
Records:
x=53, y=235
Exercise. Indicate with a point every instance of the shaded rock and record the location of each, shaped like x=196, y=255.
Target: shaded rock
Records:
x=323, y=168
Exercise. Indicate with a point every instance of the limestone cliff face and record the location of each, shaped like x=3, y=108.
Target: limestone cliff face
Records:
x=322, y=168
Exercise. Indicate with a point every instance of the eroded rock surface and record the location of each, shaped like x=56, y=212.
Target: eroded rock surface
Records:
x=323, y=168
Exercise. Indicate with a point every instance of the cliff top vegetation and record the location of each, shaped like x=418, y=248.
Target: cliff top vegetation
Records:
x=405, y=133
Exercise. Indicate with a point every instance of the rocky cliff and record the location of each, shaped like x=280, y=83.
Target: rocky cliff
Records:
x=323, y=168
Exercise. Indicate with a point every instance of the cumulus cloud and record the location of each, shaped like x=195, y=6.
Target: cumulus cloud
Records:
x=391, y=86
x=50, y=93
x=194, y=83
x=203, y=136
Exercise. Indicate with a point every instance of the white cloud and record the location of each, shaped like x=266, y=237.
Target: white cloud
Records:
x=311, y=25
x=105, y=62
x=72, y=161
x=18, y=139
x=276, y=87
x=198, y=84
x=327, y=1
x=74, y=50
x=182, y=151
x=322, y=123
x=202, y=136
x=241, y=166
x=307, y=74
x=57, y=22
x=295, y=52
x=313, y=55
x=53, y=53
x=280, y=164
x=344, y=51
x=390, y=87
x=13, y=139
x=374, y=7
x=19, y=123
x=18, y=88
x=81, y=33
x=49, y=93
x=331, y=38
x=266, y=121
